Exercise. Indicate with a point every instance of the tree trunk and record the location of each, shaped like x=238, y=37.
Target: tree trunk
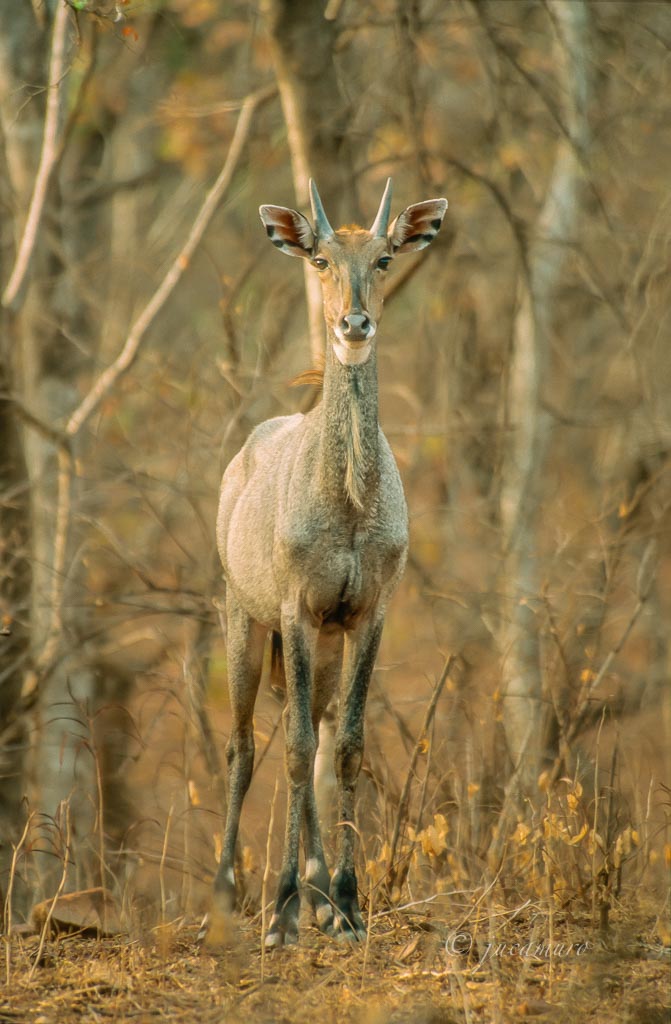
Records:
x=46, y=319
x=316, y=118
x=527, y=713
x=22, y=48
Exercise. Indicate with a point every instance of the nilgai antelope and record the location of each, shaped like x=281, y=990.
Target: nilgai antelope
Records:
x=312, y=532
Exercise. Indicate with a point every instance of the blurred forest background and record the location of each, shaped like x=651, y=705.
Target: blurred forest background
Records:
x=518, y=723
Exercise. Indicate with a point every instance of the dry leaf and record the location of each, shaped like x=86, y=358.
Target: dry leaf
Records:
x=89, y=910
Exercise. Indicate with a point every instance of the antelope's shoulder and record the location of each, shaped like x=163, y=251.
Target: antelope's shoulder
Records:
x=267, y=440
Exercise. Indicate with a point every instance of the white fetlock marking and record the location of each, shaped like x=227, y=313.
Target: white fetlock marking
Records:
x=312, y=867
x=324, y=913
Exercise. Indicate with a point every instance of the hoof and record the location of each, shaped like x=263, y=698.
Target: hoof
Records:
x=219, y=930
x=349, y=927
x=325, y=919
x=280, y=935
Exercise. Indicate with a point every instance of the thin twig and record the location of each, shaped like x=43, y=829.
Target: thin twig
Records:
x=8, y=899
x=428, y=718
x=161, y=867
x=48, y=159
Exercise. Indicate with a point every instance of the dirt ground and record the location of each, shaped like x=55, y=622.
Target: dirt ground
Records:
x=412, y=969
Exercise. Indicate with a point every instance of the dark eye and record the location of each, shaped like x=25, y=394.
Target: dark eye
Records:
x=320, y=263
x=383, y=262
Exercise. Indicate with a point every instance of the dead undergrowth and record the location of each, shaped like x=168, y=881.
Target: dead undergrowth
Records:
x=502, y=966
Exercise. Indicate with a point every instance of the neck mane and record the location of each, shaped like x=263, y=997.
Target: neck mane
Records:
x=349, y=430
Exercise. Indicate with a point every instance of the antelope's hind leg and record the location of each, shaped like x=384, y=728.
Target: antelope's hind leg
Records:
x=298, y=642
x=317, y=878
x=244, y=643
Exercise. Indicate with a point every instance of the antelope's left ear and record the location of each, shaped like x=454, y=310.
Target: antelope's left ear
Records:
x=417, y=226
x=288, y=230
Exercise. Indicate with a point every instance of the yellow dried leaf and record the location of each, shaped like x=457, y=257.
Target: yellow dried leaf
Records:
x=573, y=797
x=194, y=795
x=433, y=837
x=430, y=842
x=580, y=836
x=521, y=833
x=409, y=948
x=440, y=821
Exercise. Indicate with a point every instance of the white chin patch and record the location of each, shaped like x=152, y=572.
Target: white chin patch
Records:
x=353, y=353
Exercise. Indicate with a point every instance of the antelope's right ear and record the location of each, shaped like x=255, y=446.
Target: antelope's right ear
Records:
x=288, y=230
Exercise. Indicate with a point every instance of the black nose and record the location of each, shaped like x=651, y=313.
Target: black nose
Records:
x=355, y=326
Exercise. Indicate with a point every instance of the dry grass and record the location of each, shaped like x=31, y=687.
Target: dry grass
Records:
x=412, y=972
x=570, y=921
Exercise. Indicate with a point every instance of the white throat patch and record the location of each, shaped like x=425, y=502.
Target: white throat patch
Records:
x=353, y=353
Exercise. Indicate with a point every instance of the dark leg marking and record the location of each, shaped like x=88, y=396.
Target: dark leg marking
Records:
x=349, y=751
x=245, y=644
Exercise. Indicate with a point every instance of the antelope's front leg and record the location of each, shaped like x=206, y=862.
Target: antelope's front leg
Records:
x=298, y=640
x=361, y=651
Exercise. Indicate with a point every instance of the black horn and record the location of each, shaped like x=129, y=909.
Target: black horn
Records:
x=381, y=222
x=324, y=229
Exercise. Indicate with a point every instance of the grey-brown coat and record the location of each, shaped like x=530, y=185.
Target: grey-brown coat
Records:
x=313, y=531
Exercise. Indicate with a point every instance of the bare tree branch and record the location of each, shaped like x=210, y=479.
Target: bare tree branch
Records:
x=113, y=373
x=48, y=159
x=109, y=377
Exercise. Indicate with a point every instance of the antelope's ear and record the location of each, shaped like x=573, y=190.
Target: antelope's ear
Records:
x=417, y=226
x=288, y=230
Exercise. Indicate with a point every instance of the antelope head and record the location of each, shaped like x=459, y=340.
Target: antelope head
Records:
x=352, y=262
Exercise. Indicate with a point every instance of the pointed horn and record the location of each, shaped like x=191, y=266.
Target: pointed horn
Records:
x=381, y=222
x=324, y=229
